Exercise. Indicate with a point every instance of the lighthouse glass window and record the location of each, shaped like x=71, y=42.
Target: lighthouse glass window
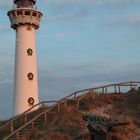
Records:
x=13, y=14
x=18, y=4
x=27, y=13
x=34, y=14
x=30, y=3
x=25, y=3
x=19, y=13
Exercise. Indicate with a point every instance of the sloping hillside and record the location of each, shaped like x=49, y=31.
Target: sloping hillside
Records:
x=69, y=125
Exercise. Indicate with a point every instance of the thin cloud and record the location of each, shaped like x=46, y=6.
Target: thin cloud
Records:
x=59, y=86
x=70, y=16
x=94, y=2
x=63, y=2
x=131, y=21
x=69, y=10
x=57, y=36
x=128, y=21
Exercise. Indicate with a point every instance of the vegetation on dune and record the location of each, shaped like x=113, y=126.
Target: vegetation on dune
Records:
x=68, y=123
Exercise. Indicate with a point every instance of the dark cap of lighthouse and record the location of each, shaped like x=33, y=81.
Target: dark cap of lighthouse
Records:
x=24, y=3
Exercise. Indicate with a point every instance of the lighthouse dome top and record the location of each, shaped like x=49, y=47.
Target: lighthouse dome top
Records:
x=25, y=3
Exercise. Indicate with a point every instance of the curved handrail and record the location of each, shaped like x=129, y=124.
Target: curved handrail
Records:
x=24, y=113
x=74, y=94
x=66, y=97
x=70, y=95
x=95, y=88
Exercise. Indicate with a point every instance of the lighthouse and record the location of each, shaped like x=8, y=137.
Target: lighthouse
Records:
x=25, y=20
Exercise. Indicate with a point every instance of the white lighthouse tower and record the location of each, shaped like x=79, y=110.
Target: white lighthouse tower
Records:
x=25, y=19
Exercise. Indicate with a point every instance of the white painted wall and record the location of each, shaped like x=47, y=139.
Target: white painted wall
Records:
x=24, y=64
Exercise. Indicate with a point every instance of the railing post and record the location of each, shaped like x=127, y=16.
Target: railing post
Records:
x=105, y=89
x=115, y=89
x=131, y=87
x=45, y=117
x=17, y=135
x=119, y=88
x=58, y=107
x=65, y=103
x=102, y=89
x=43, y=105
x=75, y=95
x=78, y=102
x=12, y=128
x=93, y=95
x=25, y=118
x=32, y=125
x=92, y=90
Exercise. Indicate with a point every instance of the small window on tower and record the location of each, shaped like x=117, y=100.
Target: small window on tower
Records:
x=34, y=14
x=30, y=52
x=31, y=101
x=39, y=16
x=27, y=13
x=30, y=76
x=19, y=13
x=13, y=14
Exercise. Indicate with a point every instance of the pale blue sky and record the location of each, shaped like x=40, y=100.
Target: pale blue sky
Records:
x=81, y=44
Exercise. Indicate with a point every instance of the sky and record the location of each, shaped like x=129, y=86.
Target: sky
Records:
x=80, y=44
